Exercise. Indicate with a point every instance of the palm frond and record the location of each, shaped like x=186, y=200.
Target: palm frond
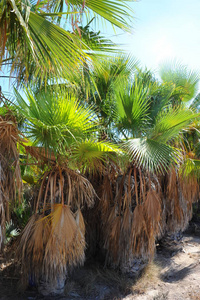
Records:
x=117, y=12
x=63, y=185
x=132, y=110
x=10, y=173
x=151, y=155
x=55, y=120
x=190, y=168
x=169, y=124
x=51, y=244
x=97, y=43
x=195, y=103
x=91, y=155
x=37, y=48
x=182, y=78
x=65, y=246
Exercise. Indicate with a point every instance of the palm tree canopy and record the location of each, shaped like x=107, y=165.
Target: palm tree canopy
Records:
x=149, y=130
x=117, y=12
x=39, y=49
x=55, y=119
x=185, y=80
x=58, y=123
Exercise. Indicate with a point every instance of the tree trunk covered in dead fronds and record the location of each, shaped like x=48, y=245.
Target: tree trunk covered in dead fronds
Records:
x=53, y=242
x=10, y=174
x=135, y=209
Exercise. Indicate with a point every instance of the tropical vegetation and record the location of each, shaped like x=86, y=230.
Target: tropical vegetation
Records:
x=101, y=155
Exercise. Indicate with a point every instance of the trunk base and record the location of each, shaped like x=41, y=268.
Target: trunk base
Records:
x=52, y=288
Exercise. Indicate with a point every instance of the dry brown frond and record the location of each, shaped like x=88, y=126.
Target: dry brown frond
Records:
x=50, y=244
x=66, y=243
x=63, y=185
x=140, y=233
x=128, y=230
x=80, y=221
x=41, y=154
x=32, y=245
x=10, y=173
x=2, y=217
x=152, y=208
x=179, y=195
x=189, y=188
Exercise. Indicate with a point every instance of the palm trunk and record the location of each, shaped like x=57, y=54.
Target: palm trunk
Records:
x=52, y=288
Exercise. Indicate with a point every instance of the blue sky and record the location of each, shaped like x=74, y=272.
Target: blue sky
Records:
x=163, y=30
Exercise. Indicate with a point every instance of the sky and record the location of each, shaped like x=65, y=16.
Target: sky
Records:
x=164, y=30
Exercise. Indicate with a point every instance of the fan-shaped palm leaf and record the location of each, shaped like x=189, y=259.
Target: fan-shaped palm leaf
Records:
x=132, y=108
x=117, y=12
x=36, y=47
x=182, y=78
x=151, y=155
x=170, y=123
x=190, y=168
x=91, y=155
x=55, y=120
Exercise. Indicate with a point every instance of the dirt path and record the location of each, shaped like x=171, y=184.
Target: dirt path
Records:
x=168, y=277
x=172, y=278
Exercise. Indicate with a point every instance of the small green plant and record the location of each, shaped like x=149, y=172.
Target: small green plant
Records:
x=21, y=213
x=11, y=231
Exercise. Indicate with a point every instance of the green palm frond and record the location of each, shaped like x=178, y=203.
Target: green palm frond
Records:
x=184, y=79
x=98, y=85
x=196, y=103
x=170, y=123
x=90, y=154
x=56, y=45
x=151, y=155
x=37, y=48
x=190, y=168
x=132, y=108
x=117, y=12
x=94, y=40
x=161, y=96
x=55, y=120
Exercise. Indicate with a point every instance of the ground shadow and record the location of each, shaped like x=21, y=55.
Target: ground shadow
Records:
x=174, y=275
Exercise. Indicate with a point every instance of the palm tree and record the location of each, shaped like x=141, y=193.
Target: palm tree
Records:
x=64, y=139
x=185, y=81
x=10, y=174
x=135, y=203
x=37, y=48
x=99, y=85
x=139, y=187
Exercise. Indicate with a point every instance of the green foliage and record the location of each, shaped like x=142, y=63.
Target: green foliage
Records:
x=39, y=49
x=185, y=81
x=90, y=154
x=151, y=155
x=190, y=168
x=55, y=119
x=11, y=231
x=133, y=108
x=94, y=40
x=170, y=123
x=21, y=213
x=117, y=12
x=147, y=118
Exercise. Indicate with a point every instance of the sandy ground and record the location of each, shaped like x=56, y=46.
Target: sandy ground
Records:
x=175, y=277
x=169, y=277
